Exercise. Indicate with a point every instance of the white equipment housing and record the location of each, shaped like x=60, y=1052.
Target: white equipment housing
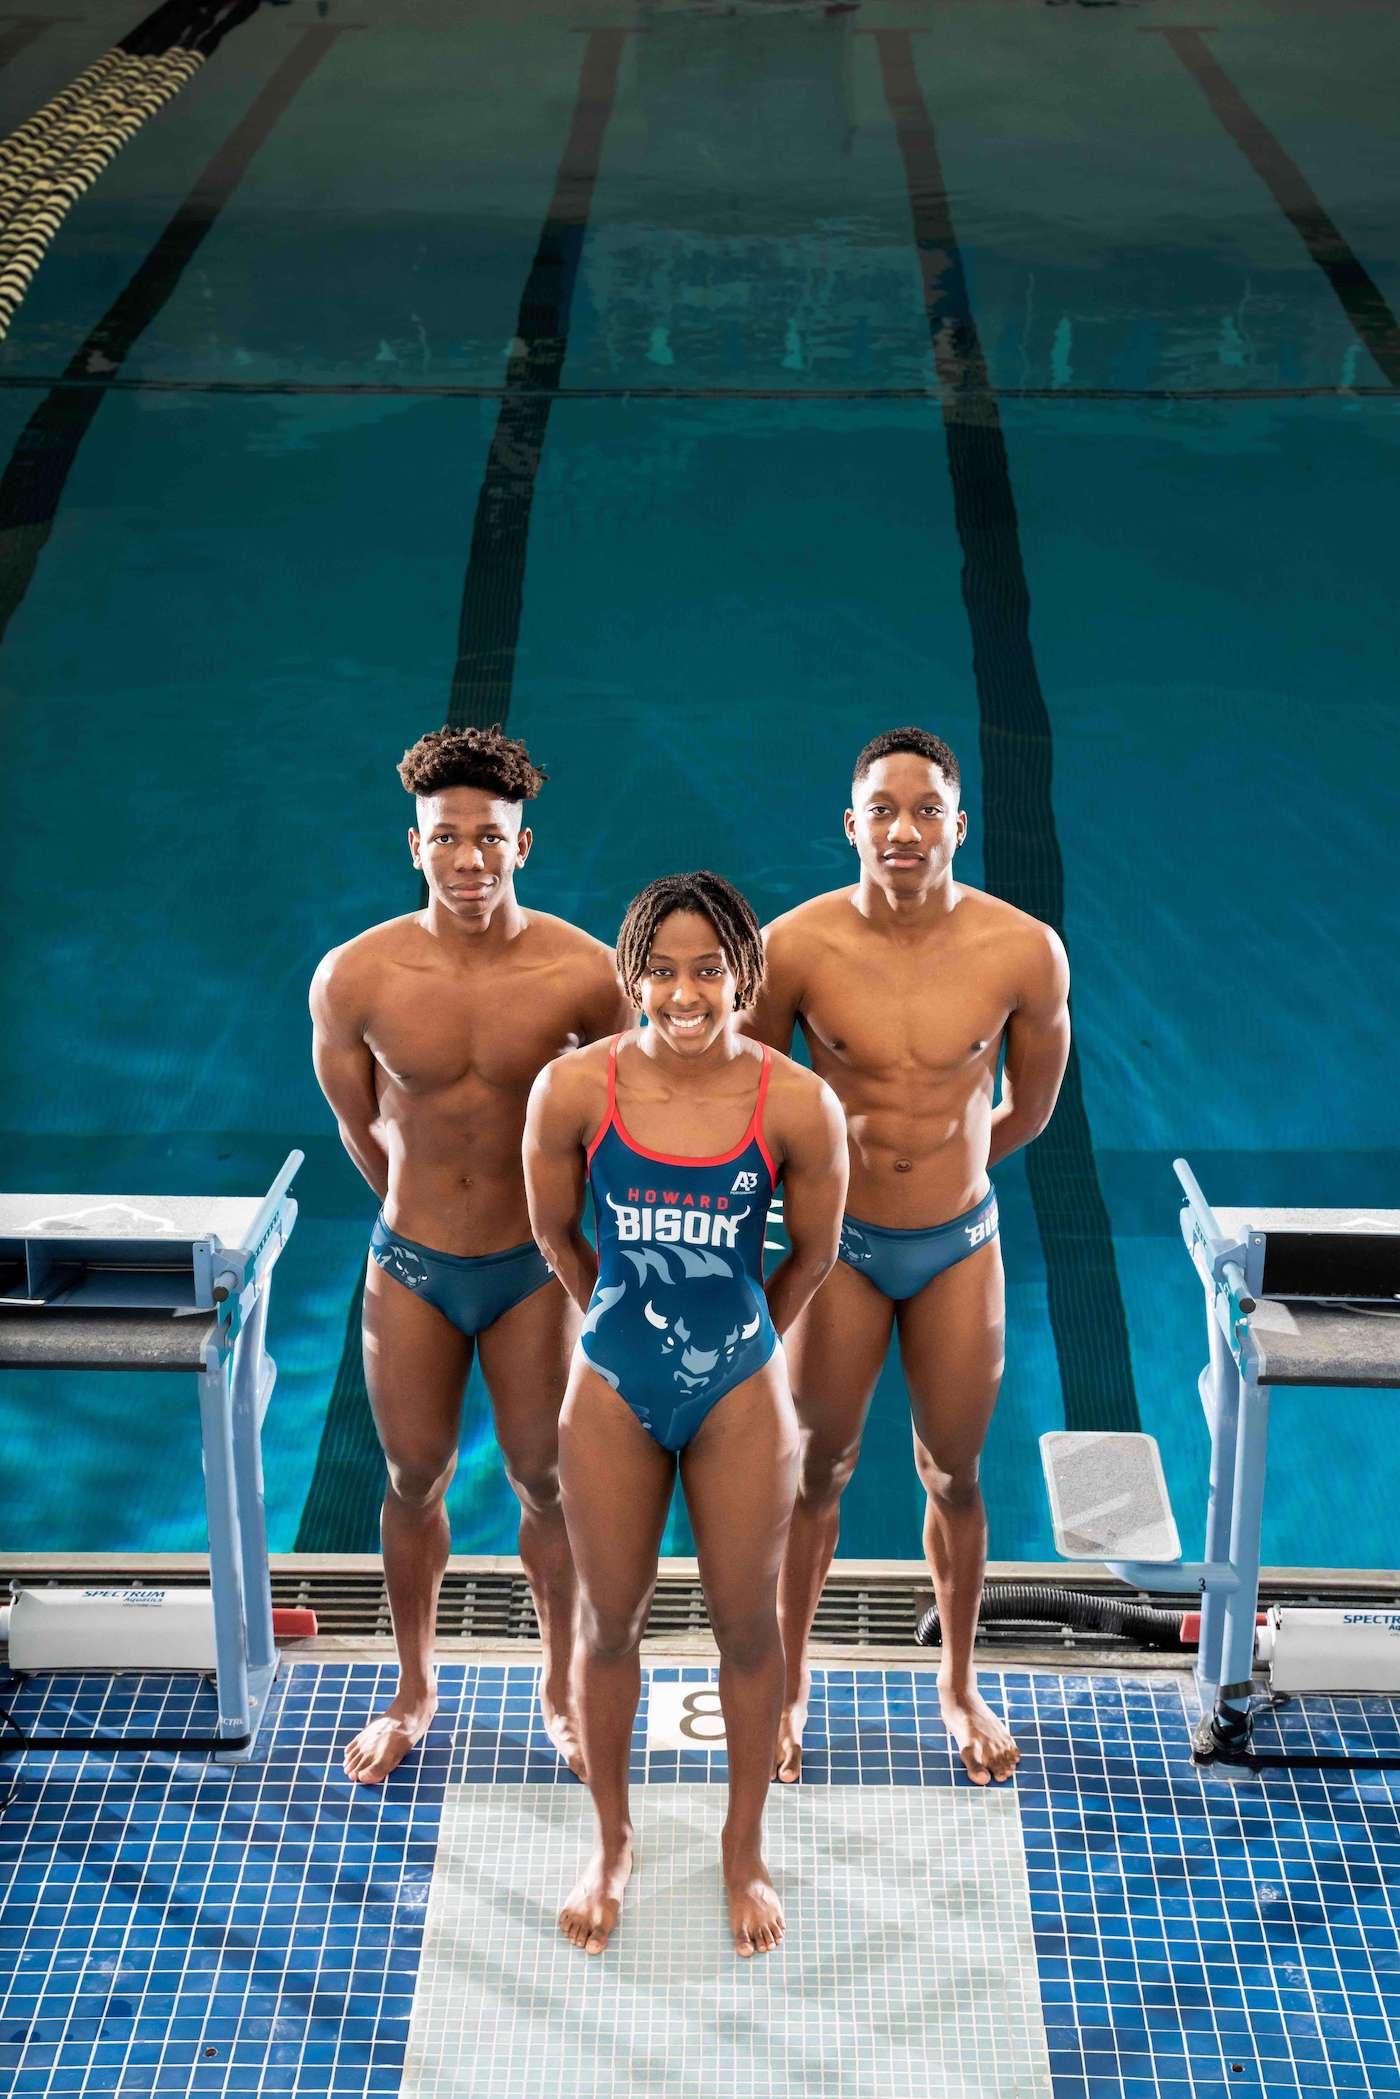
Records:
x=1330, y=1650
x=61, y=1629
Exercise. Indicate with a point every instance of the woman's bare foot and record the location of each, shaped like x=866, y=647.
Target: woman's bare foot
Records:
x=382, y=1746
x=755, y=1913
x=983, y=1740
x=588, y=1917
x=791, y=1728
x=562, y=1729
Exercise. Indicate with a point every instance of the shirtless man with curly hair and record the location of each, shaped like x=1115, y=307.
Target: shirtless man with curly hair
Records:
x=429, y=1031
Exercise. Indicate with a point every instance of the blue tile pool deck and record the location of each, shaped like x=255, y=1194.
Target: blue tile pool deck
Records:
x=169, y=1925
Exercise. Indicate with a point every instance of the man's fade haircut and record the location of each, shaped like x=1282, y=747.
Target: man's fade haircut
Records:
x=709, y=896
x=484, y=758
x=919, y=741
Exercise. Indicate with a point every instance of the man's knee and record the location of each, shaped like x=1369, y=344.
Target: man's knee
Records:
x=949, y=1477
x=746, y=1639
x=609, y=1632
x=536, y=1483
x=825, y=1472
x=420, y=1480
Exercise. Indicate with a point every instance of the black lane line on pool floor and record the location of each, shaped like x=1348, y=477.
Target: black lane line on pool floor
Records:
x=341, y=1510
x=32, y=485
x=483, y=677
x=1364, y=303
x=1021, y=850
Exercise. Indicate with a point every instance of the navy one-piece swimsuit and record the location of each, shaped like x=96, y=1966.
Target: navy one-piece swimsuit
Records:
x=678, y=1317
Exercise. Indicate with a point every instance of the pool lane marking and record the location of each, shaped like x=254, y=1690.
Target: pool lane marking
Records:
x=483, y=676
x=341, y=1510
x=1021, y=849
x=1365, y=305
x=33, y=483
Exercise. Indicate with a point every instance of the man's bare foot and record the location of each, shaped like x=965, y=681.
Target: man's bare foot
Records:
x=562, y=1729
x=791, y=1729
x=588, y=1917
x=382, y=1746
x=755, y=1913
x=984, y=1741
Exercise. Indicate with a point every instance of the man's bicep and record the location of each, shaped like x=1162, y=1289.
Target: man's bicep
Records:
x=773, y=1015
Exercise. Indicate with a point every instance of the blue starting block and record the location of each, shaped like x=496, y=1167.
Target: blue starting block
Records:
x=1292, y=1297
x=159, y=1283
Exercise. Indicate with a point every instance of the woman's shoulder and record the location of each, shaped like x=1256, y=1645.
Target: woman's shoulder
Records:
x=796, y=1092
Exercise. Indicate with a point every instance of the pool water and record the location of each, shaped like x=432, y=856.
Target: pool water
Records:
x=700, y=391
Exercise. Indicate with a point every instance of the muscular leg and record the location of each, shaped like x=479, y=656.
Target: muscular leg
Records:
x=834, y=1355
x=525, y=1362
x=616, y=1485
x=951, y=1338
x=416, y=1366
x=740, y=1476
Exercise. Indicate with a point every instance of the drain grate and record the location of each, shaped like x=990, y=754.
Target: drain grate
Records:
x=493, y=1604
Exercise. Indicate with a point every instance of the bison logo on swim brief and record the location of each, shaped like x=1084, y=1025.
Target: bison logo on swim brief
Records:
x=854, y=1244
x=402, y=1263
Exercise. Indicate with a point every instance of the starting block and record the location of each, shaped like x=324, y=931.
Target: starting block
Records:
x=158, y=1283
x=1292, y=1297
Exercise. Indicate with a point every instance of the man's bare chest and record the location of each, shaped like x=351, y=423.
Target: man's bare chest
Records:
x=886, y=1020
x=435, y=1038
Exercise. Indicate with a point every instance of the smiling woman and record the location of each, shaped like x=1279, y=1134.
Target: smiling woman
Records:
x=678, y=1362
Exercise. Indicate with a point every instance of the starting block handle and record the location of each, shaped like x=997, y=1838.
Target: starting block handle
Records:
x=270, y=1203
x=1227, y=1272
x=1196, y=1203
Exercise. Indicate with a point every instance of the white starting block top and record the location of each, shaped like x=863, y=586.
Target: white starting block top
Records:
x=186, y=1218
x=67, y=1254
x=1373, y=1224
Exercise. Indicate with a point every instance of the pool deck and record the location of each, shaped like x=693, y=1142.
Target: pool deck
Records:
x=1120, y=1921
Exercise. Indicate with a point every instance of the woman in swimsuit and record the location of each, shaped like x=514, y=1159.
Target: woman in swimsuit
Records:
x=681, y=1130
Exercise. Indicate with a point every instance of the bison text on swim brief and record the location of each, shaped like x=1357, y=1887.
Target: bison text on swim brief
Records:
x=671, y=1218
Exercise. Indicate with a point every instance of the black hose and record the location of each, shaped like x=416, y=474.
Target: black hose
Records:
x=1087, y=1611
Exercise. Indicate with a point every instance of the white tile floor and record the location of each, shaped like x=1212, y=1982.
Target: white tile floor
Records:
x=908, y=1971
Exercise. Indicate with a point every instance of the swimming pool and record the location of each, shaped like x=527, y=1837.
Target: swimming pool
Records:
x=843, y=402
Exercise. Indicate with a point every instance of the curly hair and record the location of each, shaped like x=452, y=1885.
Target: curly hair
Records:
x=483, y=758
x=710, y=897
x=919, y=741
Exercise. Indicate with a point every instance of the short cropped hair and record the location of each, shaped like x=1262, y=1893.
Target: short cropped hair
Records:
x=484, y=758
x=709, y=896
x=919, y=742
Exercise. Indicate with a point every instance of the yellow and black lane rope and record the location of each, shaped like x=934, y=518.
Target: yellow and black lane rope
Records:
x=59, y=152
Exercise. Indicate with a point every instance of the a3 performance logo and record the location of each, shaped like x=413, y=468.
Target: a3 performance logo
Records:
x=745, y=1184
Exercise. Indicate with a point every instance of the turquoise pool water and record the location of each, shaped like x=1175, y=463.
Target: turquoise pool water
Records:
x=978, y=364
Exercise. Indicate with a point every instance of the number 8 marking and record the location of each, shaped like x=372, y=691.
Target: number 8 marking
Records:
x=697, y=1706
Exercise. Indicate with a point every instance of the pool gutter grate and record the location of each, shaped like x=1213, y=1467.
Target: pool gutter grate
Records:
x=876, y=1606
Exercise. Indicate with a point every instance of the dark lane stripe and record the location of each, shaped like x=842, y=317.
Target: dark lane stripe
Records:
x=341, y=1512
x=1361, y=298
x=32, y=485
x=483, y=677
x=20, y=32
x=1021, y=849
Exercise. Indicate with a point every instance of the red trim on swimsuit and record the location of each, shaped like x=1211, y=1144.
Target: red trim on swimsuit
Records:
x=753, y=1133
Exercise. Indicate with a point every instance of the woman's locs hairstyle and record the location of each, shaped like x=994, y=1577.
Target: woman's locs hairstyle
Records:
x=484, y=758
x=708, y=896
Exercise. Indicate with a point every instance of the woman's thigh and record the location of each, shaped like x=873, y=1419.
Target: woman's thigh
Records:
x=615, y=1482
x=740, y=1478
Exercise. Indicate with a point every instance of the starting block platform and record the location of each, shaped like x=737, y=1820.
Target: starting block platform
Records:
x=1337, y=1326
x=161, y=1283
